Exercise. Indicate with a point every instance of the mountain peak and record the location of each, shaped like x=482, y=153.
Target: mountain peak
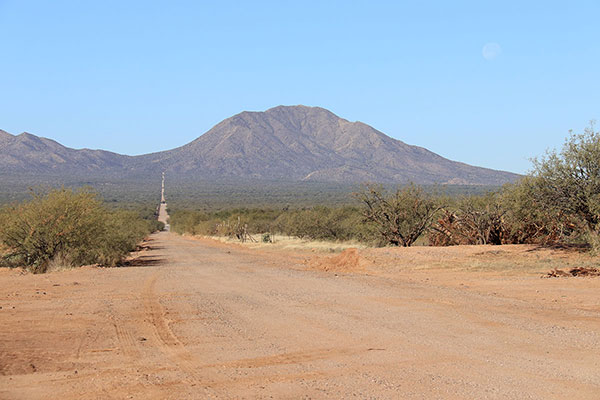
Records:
x=5, y=137
x=298, y=110
x=27, y=135
x=297, y=107
x=281, y=111
x=285, y=143
x=4, y=134
x=311, y=143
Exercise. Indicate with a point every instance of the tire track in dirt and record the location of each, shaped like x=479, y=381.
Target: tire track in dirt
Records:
x=127, y=342
x=176, y=352
x=298, y=357
x=167, y=341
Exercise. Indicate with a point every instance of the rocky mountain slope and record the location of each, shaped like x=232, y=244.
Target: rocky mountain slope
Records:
x=290, y=143
x=27, y=153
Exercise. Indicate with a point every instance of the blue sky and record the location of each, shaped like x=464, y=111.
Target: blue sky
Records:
x=141, y=76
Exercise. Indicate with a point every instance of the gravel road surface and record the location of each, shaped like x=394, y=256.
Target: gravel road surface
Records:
x=197, y=319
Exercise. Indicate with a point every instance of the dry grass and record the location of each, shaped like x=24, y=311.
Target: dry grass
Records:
x=60, y=262
x=290, y=243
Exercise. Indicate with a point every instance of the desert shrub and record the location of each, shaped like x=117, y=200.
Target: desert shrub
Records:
x=303, y=224
x=68, y=227
x=187, y=221
x=295, y=223
x=516, y=214
x=324, y=223
x=529, y=219
x=568, y=182
x=401, y=217
x=233, y=227
x=123, y=231
x=470, y=220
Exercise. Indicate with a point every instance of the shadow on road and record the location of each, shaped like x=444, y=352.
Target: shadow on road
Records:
x=573, y=248
x=143, y=261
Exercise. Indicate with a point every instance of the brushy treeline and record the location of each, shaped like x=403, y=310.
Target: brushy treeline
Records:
x=558, y=203
x=70, y=228
x=316, y=223
x=510, y=215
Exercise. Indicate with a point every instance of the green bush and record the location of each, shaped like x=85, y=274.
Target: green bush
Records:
x=69, y=225
x=529, y=219
x=324, y=223
x=568, y=182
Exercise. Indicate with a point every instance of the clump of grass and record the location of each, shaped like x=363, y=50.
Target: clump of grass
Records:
x=59, y=262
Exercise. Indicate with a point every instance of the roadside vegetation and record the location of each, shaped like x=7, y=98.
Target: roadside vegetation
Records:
x=558, y=203
x=66, y=228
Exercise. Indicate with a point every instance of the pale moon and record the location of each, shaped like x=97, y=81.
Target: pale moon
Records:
x=491, y=51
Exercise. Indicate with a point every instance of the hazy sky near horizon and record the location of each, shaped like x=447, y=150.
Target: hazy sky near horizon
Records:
x=487, y=83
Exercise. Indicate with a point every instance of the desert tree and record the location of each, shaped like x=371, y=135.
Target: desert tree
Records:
x=569, y=181
x=528, y=218
x=400, y=217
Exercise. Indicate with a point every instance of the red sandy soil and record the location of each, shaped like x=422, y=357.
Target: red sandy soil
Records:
x=195, y=319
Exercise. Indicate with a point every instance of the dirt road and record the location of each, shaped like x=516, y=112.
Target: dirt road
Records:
x=163, y=216
x=197, y=319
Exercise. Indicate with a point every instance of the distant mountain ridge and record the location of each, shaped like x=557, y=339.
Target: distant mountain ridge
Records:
x=27, y=153
x=293, y=143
